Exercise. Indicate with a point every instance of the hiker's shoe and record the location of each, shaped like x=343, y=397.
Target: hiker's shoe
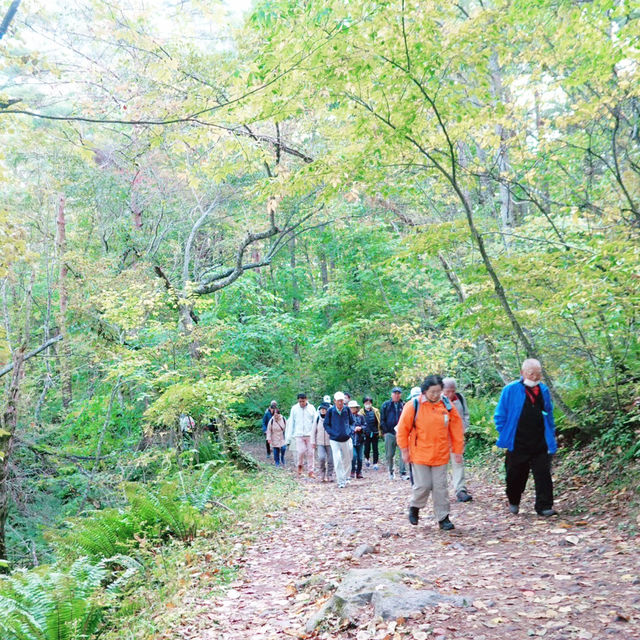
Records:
x=445, y=524
x=311, y=474
x=463, y=496
x=367, y=463
x=342, y=485
x=514, y=508
x=359, y=476
x=391, y=475
x=375, y=467
x=548, y=513
x=413, y=515
x=353, y=474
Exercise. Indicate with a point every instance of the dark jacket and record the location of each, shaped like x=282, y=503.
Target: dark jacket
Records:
x=371, y=420
x=339, y=424
x=265, y=420
x=390, y=415
x=358, y=437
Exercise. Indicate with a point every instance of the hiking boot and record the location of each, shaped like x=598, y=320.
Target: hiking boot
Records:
x=367, y=463
x=413, y=515
x=390, y=475
x=547, y=513
x=353, y=474
x=445, y=524
x=375, y=467
x=514, y=508
x=359, y=476
x=311, y=474
x=463, y=496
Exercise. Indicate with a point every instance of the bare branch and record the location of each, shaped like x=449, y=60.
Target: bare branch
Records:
x=35, y=352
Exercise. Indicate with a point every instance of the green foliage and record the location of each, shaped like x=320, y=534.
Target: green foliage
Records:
x=53, y=603
x=205, y=399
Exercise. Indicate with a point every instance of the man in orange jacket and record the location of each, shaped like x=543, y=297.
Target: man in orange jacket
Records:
x=426, y=438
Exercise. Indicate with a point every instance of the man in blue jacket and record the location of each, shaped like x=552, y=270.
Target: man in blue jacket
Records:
x=268, y=414
x=338, y=423
x=524, y=420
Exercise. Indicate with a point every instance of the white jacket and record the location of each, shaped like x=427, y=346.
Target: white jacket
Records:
x=301, y=421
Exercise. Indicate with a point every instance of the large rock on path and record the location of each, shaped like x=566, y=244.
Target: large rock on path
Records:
x=390, y=591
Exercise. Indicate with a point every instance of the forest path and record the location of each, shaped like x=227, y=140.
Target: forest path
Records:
x=561, y=578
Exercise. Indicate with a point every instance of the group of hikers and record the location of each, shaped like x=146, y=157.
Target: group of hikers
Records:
x=428, y=430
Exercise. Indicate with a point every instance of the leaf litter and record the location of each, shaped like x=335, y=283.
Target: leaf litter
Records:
x=568, y=578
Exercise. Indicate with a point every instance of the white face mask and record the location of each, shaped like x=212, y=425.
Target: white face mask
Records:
x=531, y=383
x=367, y=405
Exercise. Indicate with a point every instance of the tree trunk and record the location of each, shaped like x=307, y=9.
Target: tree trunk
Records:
x=452, y=276
x=294, y=280
x=65, y=368
x=229, y=439
x=524, y=339
x=507, y=209
x=8, y=427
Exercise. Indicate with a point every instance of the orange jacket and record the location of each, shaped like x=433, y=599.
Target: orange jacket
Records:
x=437, y=433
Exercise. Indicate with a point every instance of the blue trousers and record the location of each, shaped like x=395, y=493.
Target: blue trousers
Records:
x=278, y=455
x=356, y=461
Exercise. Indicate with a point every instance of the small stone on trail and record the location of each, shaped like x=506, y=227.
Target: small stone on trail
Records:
x=363, y=549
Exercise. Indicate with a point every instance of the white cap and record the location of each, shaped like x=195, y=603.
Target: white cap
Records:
x=327, y=398
x=338, y=395
x=353, y=404
x=415, y=392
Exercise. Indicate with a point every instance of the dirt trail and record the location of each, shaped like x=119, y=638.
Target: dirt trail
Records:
x=560, y=578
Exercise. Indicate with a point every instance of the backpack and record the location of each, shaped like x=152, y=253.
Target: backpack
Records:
x=447, y=404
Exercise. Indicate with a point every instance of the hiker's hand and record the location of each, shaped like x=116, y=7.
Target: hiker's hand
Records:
x=457, y=458
x=405, y=455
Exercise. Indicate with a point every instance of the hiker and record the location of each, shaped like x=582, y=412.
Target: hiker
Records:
x=338, y=423
x=300, y=427
x=449, y=389
x=371, y=432
x=268, y=414
x=347, y=398
x=389, y=416
x=430, y=428
x=276, y=436
x=526, y=429
x=358, y=439
x=321, y=443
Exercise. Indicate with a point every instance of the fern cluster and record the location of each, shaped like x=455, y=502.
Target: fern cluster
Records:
x=55, y=603
x=69, y=599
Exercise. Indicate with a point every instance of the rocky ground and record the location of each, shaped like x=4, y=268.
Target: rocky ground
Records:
x=564, y=578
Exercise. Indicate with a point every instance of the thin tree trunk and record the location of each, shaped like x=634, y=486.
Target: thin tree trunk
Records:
x=65, y=370
x=294, y=280
x=452, y=276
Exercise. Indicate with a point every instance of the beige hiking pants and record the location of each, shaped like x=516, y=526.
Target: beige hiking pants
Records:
x=432, y=480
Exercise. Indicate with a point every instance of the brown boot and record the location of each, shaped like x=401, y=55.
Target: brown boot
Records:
x=299, y=471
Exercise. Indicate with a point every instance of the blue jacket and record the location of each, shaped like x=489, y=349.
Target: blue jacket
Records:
x=508, y=412
x=339, y=424
x=265, y=420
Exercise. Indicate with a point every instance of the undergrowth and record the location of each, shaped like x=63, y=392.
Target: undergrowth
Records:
x=112, y=563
